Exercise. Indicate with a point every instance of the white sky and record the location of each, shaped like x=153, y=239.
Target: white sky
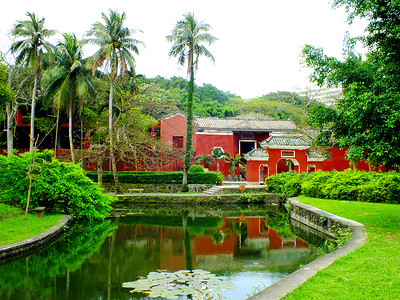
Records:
x=259, y=41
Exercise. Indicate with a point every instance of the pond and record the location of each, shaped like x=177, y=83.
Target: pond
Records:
x=250, y=246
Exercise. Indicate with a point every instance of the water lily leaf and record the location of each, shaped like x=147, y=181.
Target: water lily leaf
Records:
x=180, y=283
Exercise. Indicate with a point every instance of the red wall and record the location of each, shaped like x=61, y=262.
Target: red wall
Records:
x=173, y=126
x=205, y=143
x=336, y=161
x=228, y=141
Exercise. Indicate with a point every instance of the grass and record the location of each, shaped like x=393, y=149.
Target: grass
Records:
x=7, y=209
x=17, y=228
x=370, y=272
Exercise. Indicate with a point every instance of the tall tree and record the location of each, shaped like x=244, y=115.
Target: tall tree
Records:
x=7, y=100
x=29, y=52
x=367, y=116
x=69, y=80
x=188, y=37
x=116, y=56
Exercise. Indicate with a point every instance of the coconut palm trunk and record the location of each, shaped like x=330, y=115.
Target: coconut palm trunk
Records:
x=56, y=137
x=33, y=105
x=189, y=130
x=70, y=136
x=110, y=129
x=10, y=130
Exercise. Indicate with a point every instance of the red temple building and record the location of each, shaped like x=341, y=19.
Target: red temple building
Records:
x=269, y=147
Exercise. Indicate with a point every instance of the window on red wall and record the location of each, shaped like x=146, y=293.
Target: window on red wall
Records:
x=287, y=153
x=177, y=142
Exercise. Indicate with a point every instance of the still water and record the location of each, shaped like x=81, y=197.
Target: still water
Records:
x=251, y=245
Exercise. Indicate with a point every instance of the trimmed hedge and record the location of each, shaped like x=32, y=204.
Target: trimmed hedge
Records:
x=346, y=185
x=196, y=169
x=159, y=177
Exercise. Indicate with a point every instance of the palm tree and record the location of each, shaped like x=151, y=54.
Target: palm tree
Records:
x=115, y=54
x=217, y=153
x=205, y=159
x=69, y=80
x=234, y=161
x=187, y=38
x=30, y=50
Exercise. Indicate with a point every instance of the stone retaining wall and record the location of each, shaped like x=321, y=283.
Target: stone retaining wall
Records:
x=38, y=241
x=317, y=219
x=195, y=198
x=156, y=188
x=322, y=221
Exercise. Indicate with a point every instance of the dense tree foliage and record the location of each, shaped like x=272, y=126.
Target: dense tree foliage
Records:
x=208, y=100
x=279, y=105
x=367, y=117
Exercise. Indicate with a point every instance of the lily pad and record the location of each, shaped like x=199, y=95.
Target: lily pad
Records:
x=172, y=285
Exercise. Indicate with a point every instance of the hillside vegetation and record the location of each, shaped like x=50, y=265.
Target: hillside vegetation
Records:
x=212, y=102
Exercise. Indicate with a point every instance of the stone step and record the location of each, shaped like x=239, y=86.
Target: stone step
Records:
x=212, y=191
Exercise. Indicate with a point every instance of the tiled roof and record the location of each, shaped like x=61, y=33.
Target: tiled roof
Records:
x=231, y=124
x=285, y=141
x=257, y=154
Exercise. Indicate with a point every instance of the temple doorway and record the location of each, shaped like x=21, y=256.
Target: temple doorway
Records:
x=286, y=165
x=263, y=171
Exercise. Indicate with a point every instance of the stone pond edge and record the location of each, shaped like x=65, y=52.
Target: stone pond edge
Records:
x=287, y=284
x=43, y=239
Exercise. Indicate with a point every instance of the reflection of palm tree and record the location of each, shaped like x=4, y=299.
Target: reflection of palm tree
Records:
x=112, y=245
x=186, y=244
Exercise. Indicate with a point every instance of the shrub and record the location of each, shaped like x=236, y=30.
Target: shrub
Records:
x=346, y=185
x=287, y=184
x=55, y=185
x=313, y=184
x=196, y=169
x=159, y=177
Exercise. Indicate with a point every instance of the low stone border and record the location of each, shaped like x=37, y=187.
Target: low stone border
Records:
x=40, y=240
x=319, y=220
x=193, y=198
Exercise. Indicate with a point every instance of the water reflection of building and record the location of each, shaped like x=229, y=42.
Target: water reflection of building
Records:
x=235, y=239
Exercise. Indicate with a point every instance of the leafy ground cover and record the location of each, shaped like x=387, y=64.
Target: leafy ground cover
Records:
x=370, y=272
x=17, y=228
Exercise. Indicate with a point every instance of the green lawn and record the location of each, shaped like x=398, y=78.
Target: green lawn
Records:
x=370, y=272
x=7, y=209
x=17, y=228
